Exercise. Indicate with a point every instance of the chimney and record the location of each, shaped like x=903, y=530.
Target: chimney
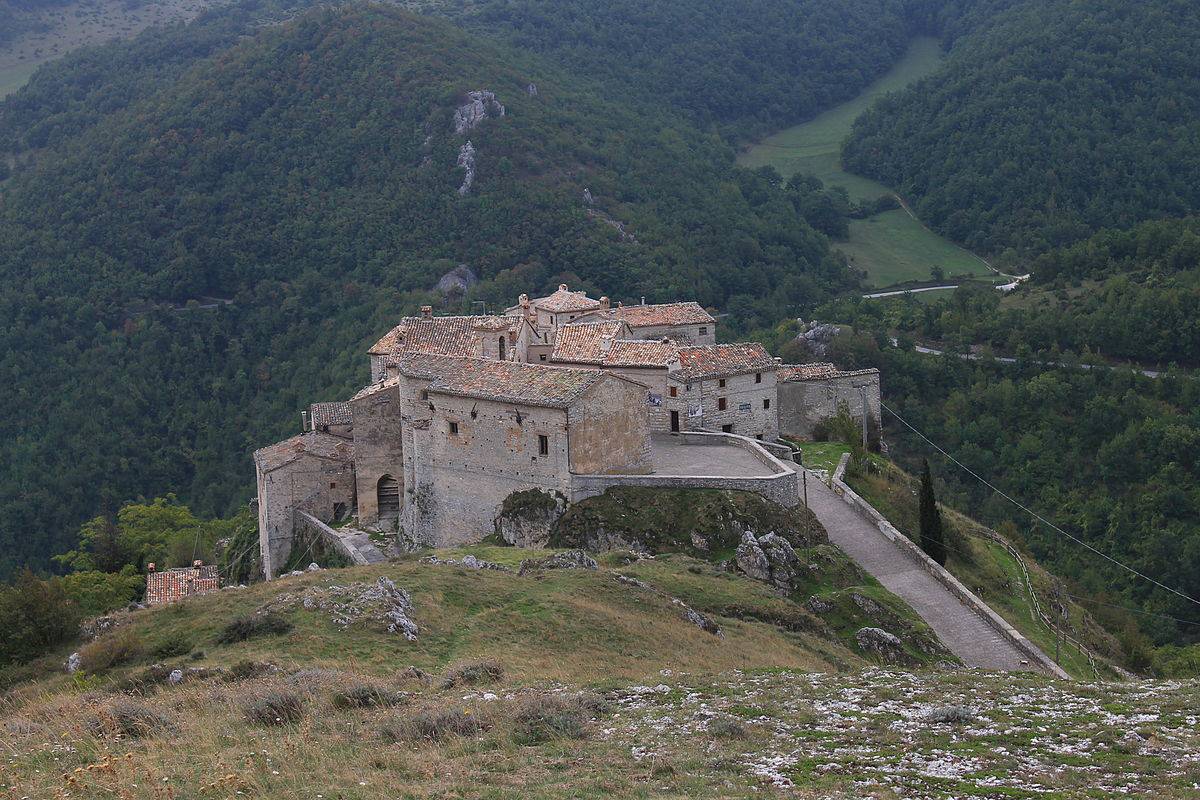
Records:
x=304, y=422
x=391, y=369
x=605, y=303
x=523, y=301
x=562, y=287
x=150, y=567
x=426, y=312
x=197, y=564
x=643, y=299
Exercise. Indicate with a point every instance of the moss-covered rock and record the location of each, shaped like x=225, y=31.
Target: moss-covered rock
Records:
x=705, y=523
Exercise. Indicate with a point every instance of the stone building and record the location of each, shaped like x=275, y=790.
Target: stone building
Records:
x=312, y=472
x=476, y=431
x=560, y=393
x=812, y=393
x=725, y=387
x=173, y=585
x=686, y=323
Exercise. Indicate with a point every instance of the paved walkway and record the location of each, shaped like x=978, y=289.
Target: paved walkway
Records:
x=670, y=456
x=963, y=631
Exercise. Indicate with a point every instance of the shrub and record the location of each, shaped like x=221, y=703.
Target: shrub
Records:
x=130, y=720
x=726, y=728
x=473, y=673
x=245, y=670
x=119, y=647
x=172, y=647
x=956, y=715
x=252, y=627
x=434, y=724
x=366, y=696
x=543, y=717
x=276, y=708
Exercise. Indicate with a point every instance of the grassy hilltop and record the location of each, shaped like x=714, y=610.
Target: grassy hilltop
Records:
x=558, y=683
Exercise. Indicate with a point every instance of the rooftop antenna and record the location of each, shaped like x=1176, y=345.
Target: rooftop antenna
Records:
x=479, y=308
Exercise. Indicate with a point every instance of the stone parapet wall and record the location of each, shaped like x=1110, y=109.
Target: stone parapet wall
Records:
x=782, y=487
x=943, y=576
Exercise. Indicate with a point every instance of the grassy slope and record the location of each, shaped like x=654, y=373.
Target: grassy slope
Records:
x=991, y=572
x=13, y=78
x=832, y=735
x=892, y=247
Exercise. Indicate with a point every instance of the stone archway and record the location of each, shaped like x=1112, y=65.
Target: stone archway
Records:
x=387, y=493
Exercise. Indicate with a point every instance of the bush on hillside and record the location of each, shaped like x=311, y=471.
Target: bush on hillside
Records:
x=253, y=627
x=130, y=720
x=434, y=724
x=545, y=716
x=366, y=696
x=119, y=647
x=472, y=674
x=275, y=708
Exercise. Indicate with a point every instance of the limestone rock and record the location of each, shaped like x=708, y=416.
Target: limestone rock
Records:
x=569, y=559
x=480, y=105
x=587, y=197
x=73, y=663
x=531, y=90
x=878, y=642
x=314, y=567
x=176, y=677
x=817, y=336
x=699, y=620
x=527, y=517
x=818, y=606
x=457, y=281
x=769, y=558
x=466, y=160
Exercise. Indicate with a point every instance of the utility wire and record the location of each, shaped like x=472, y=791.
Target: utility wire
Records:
x=1033, y=513
x=1133, y=610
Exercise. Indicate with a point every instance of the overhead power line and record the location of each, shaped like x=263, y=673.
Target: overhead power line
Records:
x=1033, y=513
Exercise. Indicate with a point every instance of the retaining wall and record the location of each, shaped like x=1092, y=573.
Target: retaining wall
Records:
x=913, y=551
x=306, y=521
x=781, y=487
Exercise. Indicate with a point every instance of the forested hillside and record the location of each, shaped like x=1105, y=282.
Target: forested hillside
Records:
x=1050, y=121
x=308, y=175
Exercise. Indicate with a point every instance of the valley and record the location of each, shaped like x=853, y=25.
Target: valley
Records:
x=891, y=247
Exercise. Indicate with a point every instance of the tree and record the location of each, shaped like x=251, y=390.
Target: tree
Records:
x=35, y=615
x=933, y=538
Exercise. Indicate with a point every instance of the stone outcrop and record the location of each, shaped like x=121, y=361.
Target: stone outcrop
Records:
x=883, y=645
x=481, y=104
x=531, y=90
x=817, y=336
x=771, y=559
x=457, y=281
x=527, y=518
x=570, y=559
x=466, y=160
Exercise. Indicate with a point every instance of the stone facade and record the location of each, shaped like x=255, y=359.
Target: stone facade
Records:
x=378, y=451
x=812, y=393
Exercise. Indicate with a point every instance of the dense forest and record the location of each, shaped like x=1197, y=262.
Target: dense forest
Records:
x=308, y=175
x=1050, y=121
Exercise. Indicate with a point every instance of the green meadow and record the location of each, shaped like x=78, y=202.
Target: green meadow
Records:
x=892, y=247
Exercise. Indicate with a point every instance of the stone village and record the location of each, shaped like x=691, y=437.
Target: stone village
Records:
x=566, y=394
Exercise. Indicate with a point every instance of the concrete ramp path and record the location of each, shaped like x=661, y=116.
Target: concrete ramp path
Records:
x=964, y=632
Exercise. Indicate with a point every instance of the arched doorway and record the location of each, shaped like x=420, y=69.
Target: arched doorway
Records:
x=503, y=346
x=388, y=495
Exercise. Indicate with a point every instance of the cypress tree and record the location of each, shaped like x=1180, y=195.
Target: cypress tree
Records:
x=933, y=540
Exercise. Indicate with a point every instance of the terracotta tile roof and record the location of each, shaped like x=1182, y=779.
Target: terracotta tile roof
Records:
x=565, y=300
x=503, y=381
x=173, y=585
x=642, y=353
x=817, y=372
x=689, y=313
x=720, y=360
x=330, y=414
x=451, y=336
x=372, y=388
x=585, y=343
x=314, y=443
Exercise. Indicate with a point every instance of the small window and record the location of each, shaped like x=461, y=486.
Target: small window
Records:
x=766, y=403
x=543, y=445
x=454, y=429
x=721, y=404
x=721, y=383
x=424, y=394
x=333, y=486
x=758, y=436
x=758, y=377
x=674, y=390
x=542, y=357
x=727, y=429
x=703, y=331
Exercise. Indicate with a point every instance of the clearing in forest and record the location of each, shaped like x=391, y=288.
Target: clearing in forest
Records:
x=892, y=247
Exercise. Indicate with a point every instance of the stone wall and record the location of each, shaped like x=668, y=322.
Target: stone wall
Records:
x=463, y=477
x=750, y=405
x=317, y=485
x=804, y=404
x=378, y=447
x=609, y=430
x=781, y=487
x=683, y=334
